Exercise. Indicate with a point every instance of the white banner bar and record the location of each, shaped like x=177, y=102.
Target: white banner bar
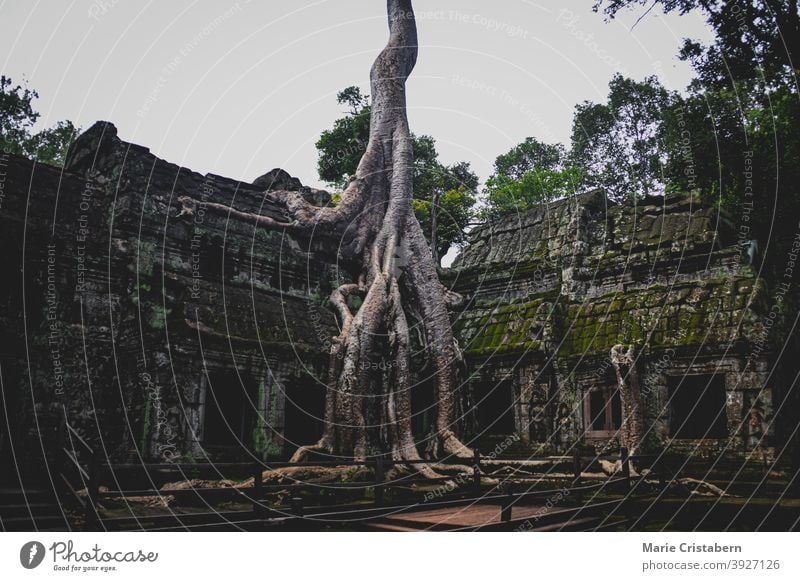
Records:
x=398, y=556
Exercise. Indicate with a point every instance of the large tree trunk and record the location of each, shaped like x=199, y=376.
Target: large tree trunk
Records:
x=369, y=400
x=632, y=429
x=368, y=404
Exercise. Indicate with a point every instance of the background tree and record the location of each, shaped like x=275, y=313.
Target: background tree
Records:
x=341, y=147
x=734, y=136
x=17, y=116
x=528, y=155
x=17, y=120
x=530, y=173
x=443, y=195
x=762, y=32
x=619, y=144
x=507, y=196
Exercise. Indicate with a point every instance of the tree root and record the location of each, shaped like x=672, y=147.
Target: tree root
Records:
x=303, y=451
x=394, y=272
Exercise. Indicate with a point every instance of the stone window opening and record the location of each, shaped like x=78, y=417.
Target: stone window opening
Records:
x=304, y=412
x=697, y=405
x=602, y=412
x=214, y=264
x=496, y=409
x=230, y=410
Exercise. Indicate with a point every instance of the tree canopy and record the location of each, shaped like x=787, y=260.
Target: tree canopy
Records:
x=762, y=33
x=619, y=144
x=17, y=120
x=530, y=173
x=734, y=136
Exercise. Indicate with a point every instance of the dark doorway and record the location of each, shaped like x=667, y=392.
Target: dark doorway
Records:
x=304, y=415
x=214, y=264
x=602, y=412
x=495, y=412
x=697, y=407
x=230, y=410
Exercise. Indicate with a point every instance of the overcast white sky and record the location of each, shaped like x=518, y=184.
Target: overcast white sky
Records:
x=239, y=87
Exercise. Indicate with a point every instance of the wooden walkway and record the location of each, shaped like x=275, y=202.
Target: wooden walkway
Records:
x=477, y=517
x=390, y=507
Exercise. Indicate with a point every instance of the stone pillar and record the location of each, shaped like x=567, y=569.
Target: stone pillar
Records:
x=522, y=410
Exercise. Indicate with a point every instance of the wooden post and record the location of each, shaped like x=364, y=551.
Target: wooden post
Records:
x=379, y=480
x=258, y=483
x=297, y=506
x=93, y=490
x=476, y=470
x=61, y=463
x=626, y=474
x=508, y=501
x=576, y=466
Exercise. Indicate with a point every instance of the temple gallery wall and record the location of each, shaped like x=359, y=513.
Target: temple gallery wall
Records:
x=162, y=334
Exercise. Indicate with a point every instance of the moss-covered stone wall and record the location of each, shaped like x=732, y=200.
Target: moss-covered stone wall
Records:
x=123, y=304
x=551, y=291
x=145, y=303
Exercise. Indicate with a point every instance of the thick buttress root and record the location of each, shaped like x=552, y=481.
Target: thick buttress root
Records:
x=368, y=402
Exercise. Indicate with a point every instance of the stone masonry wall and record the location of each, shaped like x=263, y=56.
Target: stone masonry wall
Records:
x=127, y=314
x=551, y=291
x=131, y=306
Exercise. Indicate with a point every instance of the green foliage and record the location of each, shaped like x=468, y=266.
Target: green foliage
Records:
x=530, y=173
x=619, y=144
x=449, y=189
x=506, y=195
x=354, y=98
x=752, y=35
x=734, y=137
x=528, y=155
x=454, y=213
x=17, y=119
x=17, y=116
x=354, y=302
x=50, y=146
x=158, y=317
x=341, y=147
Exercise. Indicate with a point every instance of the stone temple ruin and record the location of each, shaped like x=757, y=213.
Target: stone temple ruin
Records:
x=171, y=333
x=615, y=324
